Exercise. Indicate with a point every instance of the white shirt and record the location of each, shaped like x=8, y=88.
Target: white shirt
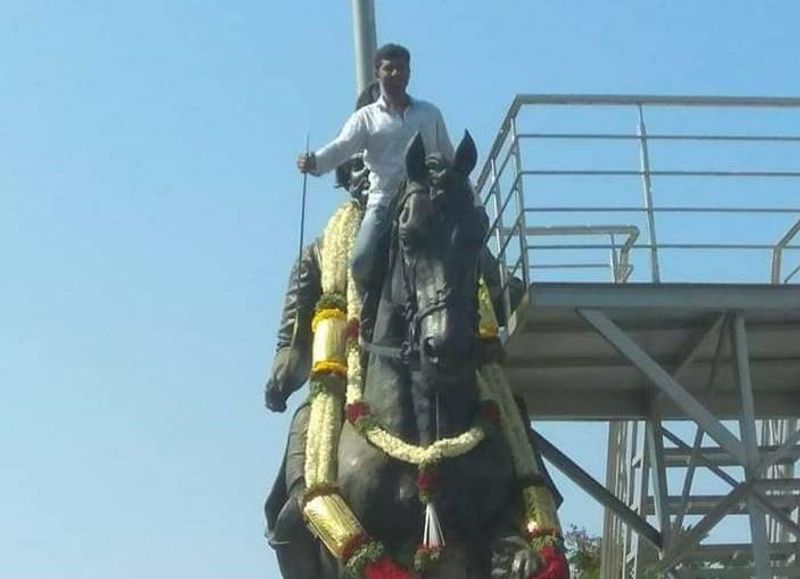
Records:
x=384, y=134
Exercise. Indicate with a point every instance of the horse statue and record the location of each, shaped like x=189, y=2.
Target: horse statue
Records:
x=416, y=462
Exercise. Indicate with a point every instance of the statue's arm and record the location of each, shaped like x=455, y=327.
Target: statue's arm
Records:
x=292, y=362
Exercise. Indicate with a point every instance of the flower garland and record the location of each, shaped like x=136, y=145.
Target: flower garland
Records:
x=359, y=415
x=337, y=374
x=540, y=524
x=335, y=362
x=326, y=313
x=329, y=350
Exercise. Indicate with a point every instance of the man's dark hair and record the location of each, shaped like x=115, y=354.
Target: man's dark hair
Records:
x=392, y=51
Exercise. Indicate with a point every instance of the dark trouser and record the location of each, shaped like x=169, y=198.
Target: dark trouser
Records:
x=367, y=249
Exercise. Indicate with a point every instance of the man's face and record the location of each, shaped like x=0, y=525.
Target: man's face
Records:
x=393, y=74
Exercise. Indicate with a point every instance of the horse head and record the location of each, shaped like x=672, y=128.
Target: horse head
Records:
x=440, y=232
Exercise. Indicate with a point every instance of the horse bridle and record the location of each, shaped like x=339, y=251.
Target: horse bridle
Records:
x=408, y=350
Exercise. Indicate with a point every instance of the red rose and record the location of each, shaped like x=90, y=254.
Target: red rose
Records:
x=554, y=564
x=383, y=568
x=490, y=411
x=426, y=480
x=355, y=411
x=352, y=329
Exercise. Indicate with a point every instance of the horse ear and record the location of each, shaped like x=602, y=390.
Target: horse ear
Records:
x=466, y=155
x=415, y=160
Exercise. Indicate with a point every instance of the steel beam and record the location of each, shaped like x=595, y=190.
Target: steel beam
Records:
x=701, y=458
x=647, y=190
x=699, y=432
x=696, y=534
x=597, y=491
x=787, y=450
x=666, y=383
x=717, y=456
x=695, y=347
x=747, y=425
x=695, y=297
x=764, y=501
x=654, y=440
x=747, y=421
x=774, y=512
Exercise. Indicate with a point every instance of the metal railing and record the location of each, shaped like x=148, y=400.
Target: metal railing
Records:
x=711, y=181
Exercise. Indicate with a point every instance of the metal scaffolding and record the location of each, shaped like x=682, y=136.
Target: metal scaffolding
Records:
x=685, y=338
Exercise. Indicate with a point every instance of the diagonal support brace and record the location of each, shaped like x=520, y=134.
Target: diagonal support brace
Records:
x=664, y=382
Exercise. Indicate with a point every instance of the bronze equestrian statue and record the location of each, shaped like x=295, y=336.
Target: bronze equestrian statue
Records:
x=412, y=458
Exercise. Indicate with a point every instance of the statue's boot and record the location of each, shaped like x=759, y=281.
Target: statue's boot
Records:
x=297, y=549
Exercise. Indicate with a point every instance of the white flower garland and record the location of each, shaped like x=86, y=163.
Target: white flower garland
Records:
x=325, y=419
x=417, y=455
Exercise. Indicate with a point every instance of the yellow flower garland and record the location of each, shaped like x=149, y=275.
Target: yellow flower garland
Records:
x=328, y=367
x=487, y=325
x=327, y=314
x=329, y=350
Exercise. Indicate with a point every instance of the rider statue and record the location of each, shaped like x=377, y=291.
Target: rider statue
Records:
x=368, y=158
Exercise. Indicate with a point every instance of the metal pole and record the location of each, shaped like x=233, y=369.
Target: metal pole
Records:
x=364, y=37
x=523, y=229
x=655, y=454
x=502, y=260
x=747, y=422
x=648, y=197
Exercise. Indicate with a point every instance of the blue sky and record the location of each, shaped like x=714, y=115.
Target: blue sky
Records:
x=149, y=212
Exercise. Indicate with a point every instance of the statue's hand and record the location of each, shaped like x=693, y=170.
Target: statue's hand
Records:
x=289, y=371
x=512, y=558
x=274, y=398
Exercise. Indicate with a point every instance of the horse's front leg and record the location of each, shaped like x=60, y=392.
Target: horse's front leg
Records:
x=514, y=557
x=381, y=492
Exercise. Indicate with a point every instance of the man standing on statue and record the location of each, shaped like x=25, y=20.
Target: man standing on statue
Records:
x=382, y=130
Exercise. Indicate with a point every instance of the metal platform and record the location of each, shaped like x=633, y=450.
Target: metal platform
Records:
x=643, y=228
x=567, y=369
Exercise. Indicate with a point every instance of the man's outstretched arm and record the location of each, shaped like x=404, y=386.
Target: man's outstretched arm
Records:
x=351, y=139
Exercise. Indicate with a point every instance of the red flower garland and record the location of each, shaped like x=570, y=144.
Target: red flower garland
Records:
x=384, y=568
x=554, y=564
x=353, y=545
x=426, y=483
x=426, y=479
